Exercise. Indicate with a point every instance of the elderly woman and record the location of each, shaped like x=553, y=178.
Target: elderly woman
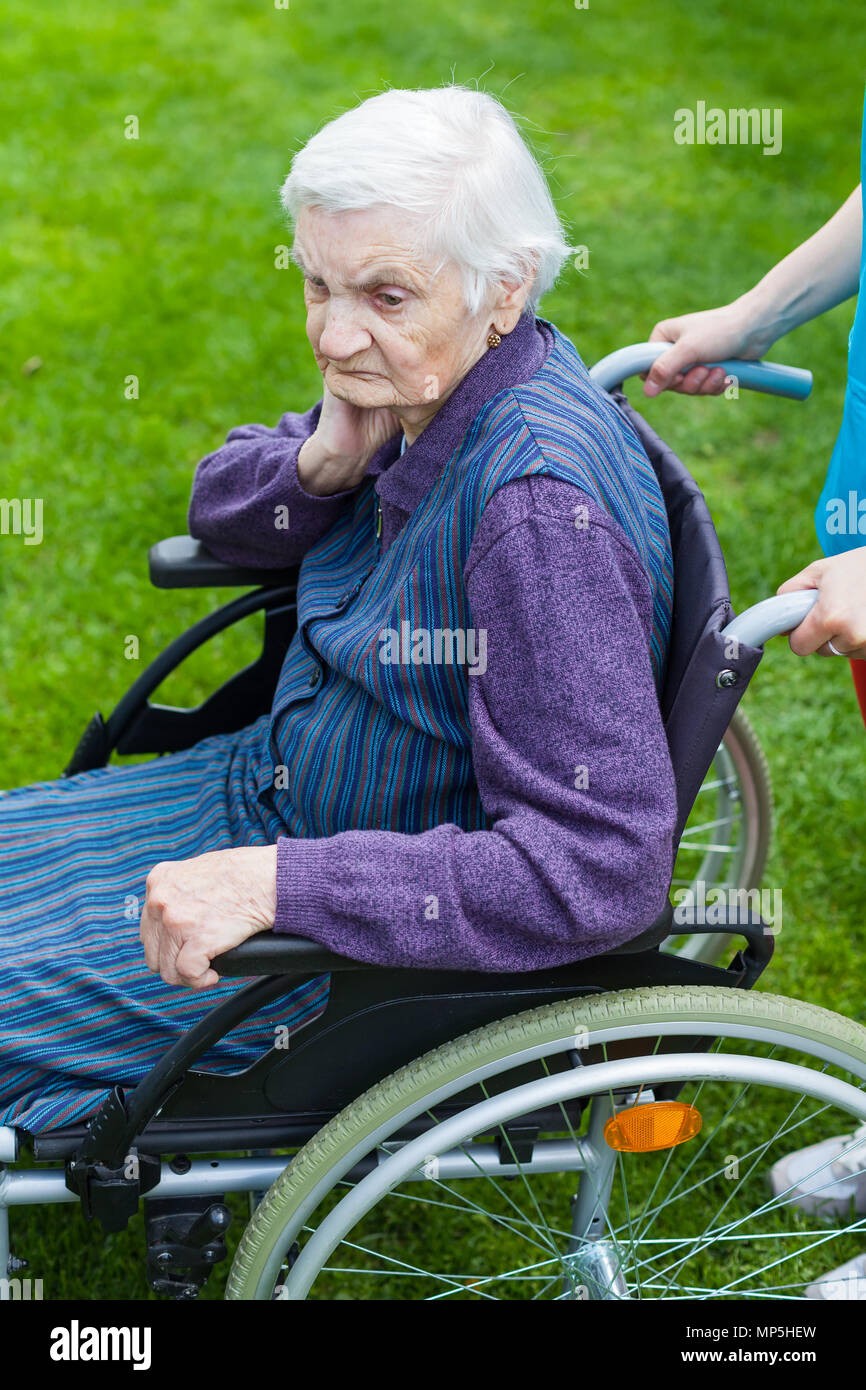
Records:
x=465, y=764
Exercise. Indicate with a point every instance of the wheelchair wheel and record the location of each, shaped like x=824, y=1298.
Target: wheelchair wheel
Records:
x=616, y=1146
x=727, y=836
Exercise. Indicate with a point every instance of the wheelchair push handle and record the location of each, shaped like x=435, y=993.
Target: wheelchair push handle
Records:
x=772, y=616
x=772, y=378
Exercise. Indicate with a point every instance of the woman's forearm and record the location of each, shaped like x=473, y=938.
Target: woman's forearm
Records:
x=819, y=274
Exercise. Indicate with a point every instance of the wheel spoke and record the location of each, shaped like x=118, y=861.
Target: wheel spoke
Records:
x=523, y=1177
x=404, y=1267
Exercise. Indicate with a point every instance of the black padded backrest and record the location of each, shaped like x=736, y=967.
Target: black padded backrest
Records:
x=696, y=709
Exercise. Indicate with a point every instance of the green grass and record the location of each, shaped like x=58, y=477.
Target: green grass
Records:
x=155, y=258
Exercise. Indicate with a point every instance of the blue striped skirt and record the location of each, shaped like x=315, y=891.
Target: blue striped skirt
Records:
x=79, y=1010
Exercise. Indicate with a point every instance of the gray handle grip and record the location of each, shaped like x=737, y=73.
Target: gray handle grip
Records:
x=770, y=377
x=772, y=616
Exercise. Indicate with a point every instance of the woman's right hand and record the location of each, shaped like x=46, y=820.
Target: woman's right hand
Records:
x=334, y=458
x=708, y=336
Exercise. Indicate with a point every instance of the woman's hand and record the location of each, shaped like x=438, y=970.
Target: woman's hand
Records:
x=839, y=615
x=708, y=336
x=197, y=908
x=334, y=458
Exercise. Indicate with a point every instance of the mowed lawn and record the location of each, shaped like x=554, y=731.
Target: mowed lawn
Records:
x=154, y=258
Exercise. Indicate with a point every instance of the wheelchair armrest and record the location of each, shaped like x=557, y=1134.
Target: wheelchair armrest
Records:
x=273, y=953
x=183, y=563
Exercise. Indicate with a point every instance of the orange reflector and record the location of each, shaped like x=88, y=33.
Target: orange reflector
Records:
x=660, y=1124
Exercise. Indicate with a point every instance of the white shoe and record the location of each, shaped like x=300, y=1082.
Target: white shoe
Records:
x=848, y=1282
x=825, y=1179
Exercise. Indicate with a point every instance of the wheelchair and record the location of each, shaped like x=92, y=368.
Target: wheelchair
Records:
x=599, y=1131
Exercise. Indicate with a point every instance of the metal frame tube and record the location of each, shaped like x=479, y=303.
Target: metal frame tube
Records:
x=593, y=1192
x=47, y=1187
x=41, y=1187
x=4, y=1238
x=477, y=1160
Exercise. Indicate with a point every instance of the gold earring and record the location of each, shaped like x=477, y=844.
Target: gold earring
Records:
x=493, y=339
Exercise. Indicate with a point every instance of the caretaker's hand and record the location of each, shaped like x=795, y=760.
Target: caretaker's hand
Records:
x=334, y=458
x=821, y=272
x=840, y=611
x=197, y=908
x=708, y=336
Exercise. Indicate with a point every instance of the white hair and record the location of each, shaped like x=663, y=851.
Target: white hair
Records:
x=453, y=156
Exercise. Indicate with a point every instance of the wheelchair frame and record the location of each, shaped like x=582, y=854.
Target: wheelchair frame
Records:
x=377, y=1019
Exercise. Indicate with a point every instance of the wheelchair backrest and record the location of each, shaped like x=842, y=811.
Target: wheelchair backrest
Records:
x=705, y=676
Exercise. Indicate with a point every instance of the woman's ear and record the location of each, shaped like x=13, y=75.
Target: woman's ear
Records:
x=509, y=304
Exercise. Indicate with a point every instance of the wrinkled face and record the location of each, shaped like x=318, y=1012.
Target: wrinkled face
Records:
x=385, y=330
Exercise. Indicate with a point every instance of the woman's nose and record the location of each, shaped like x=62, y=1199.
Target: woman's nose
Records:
x=342, y=335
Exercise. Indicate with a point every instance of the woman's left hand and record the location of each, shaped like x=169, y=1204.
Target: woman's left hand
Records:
x=840, y=612
x=197, y=908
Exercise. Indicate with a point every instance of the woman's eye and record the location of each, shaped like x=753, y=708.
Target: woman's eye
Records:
x=392, y=301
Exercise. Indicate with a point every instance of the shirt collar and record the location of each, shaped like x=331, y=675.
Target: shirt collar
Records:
x=404, y=476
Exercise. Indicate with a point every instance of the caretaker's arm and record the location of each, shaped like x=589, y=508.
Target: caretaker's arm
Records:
x=819, y=274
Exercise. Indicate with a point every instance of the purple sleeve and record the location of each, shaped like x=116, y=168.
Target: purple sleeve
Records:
x=570, y=757
x=247, y=504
